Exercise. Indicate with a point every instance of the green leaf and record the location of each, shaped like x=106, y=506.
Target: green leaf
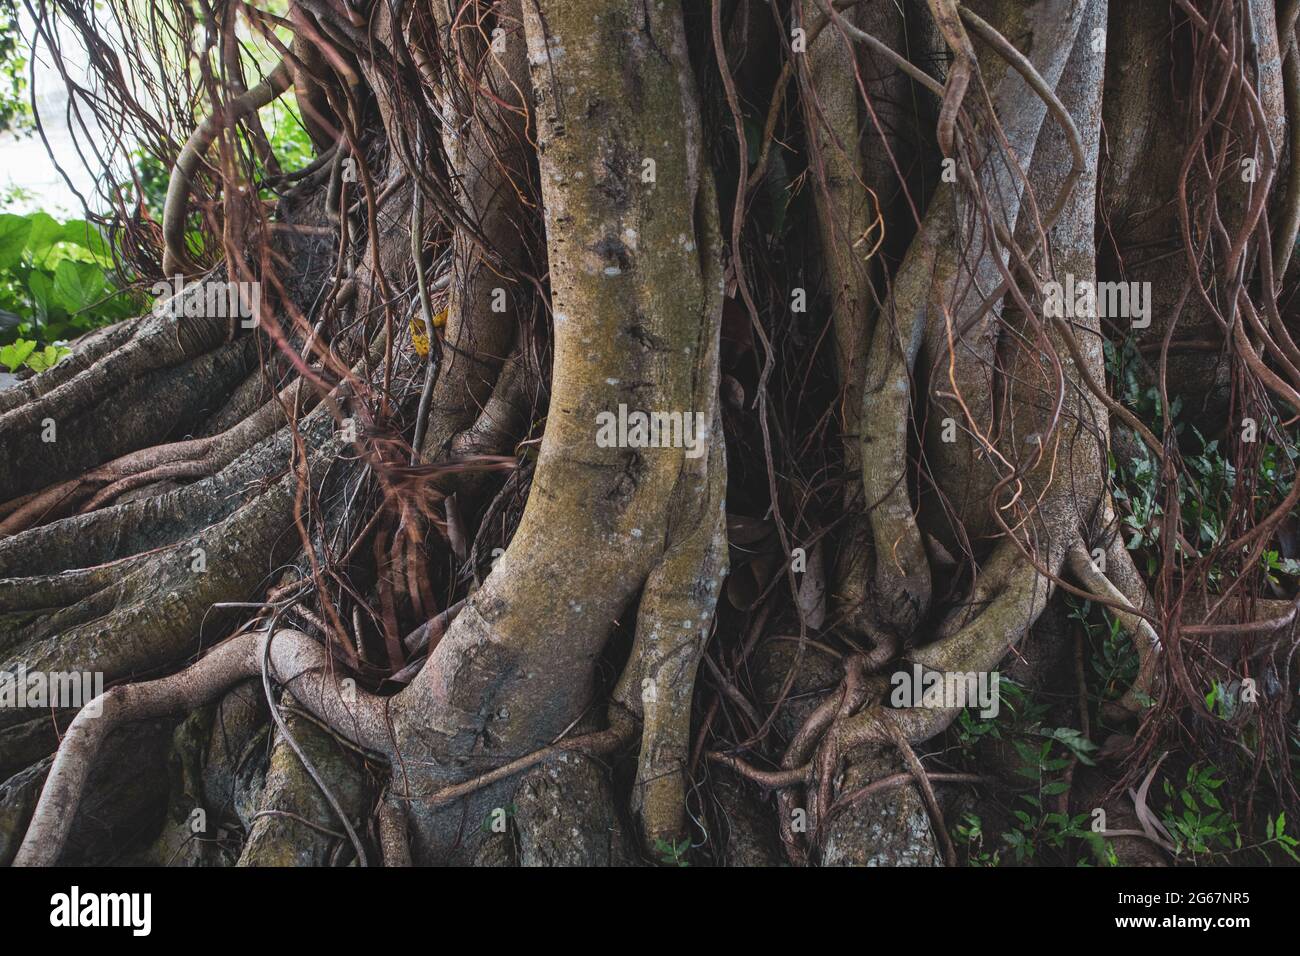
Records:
x=13, y=239
x=13, y=356
x=41, y=286
x=77, y=285
x=87, y=236
x=47, y=357
x=45, y=232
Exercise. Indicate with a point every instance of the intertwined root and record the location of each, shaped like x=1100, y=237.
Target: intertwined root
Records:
x=513, y=673
x=298, y=662
x=976, y=426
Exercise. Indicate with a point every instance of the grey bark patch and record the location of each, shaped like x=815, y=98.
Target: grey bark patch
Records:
x=886, y=829
x=564, y=816
x=745, y=826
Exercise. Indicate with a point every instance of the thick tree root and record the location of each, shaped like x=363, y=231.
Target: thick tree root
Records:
x=64, y=433
x=298, y=662
x=189, y=460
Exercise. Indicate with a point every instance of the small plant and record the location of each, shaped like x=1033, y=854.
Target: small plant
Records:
x=672, y=854
x=1113, y=661
x=1275, y=565
x=970, y=832
x=1195, y=818
x=1045, y=754
x=1277, y=836
x=24, y=354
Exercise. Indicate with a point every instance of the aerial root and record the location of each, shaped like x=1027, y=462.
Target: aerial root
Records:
x=816, y=753
x=1145, y=640
x=176, y=259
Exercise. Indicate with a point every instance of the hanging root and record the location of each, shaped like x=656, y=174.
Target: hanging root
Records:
x=176, y=259
x=1145, y=640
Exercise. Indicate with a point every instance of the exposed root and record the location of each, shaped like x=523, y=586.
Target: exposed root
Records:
x=158, y=392
x=674, y=620
x=597, y=744
x=300, y=664
x=190, y=460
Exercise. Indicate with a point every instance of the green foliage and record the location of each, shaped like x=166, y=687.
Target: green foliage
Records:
x=1044, y=762
x=1204, y=487
x=1204, y=831
x=1036, y=831
x=969, y=833
x=55, y=282
x=1195, y=818
x=1277, y=836
x=289, y=140
x=1113, y=663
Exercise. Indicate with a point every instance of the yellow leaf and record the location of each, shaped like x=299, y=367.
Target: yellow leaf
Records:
x=418, y=337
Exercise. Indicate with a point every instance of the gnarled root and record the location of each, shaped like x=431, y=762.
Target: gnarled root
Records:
x=672, y=626
x=298, y=662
